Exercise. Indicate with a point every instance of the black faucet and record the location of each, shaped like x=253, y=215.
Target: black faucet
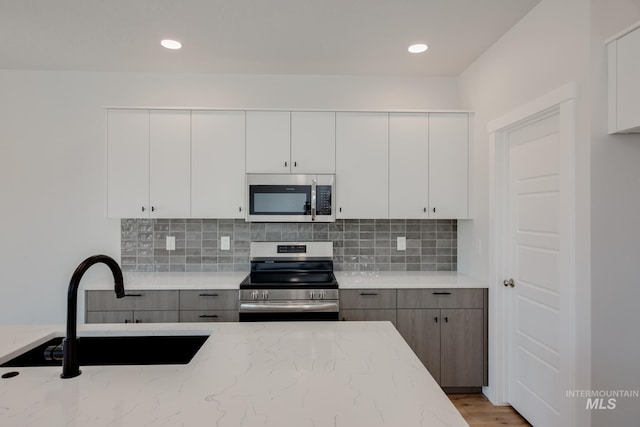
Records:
x=70, y=363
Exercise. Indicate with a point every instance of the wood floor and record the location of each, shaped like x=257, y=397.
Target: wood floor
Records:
x=479, y=412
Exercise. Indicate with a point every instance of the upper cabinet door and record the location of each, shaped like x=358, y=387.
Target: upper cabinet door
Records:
x=628, y=85
x=313, y=142
x=408, y=165
x=217, y=164
x=128, y=164
x=362, y=167
x=170, y=163
x=449, y=165
x=268, y=142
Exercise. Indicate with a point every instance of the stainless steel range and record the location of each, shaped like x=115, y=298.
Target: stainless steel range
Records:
x=289, y=281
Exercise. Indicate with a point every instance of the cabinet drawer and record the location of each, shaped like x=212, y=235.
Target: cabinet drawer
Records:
x=369, y=315
x=441, y=298
x=209, y=300
x=368, y=298
x=109, y=317
x=209, y=316
x=135, y=300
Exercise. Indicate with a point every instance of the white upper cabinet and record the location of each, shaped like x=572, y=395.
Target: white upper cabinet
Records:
x=624, y=84
x=148, y=164
x=128, y=164
x=170, y=163
x=409, y=165
x=449, y=165
x=268, y=142
x=362, y=166
x=313, y=142
x=217, y=164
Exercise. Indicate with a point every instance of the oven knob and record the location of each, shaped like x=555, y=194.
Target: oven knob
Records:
x=312, y=295
x=265, y=294
x=254, y=295
x=323, y=295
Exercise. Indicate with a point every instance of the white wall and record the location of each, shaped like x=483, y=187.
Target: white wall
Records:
x=615, y=205
x=52, y=158
x=548, y=48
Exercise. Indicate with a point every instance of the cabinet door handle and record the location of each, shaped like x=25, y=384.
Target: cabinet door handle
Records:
x=143, y=209
x=436, y=319
x=369, y=294
x=340, y=209
x=295, y=164
x=126, y=320
x=153, y=209
x=208, y=316
x=239, y=208
x=424, y=209
x=132, y=295
x=446, y=319
x=208, y=295
x=442, y=293
x=138, y=321
x=434, y=210
x=285, y=164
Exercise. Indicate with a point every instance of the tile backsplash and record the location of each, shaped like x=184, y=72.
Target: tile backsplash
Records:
x=358, y=244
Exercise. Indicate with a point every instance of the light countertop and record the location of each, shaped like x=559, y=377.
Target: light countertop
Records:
x=346, y=280
x=284, y=374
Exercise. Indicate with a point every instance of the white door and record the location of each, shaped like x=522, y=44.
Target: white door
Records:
x=408, y=165
x=538, y=257
x=128, y=164
x=362, y=165
x=217, y=164
x=268, y=142
x=313, y=142
x=170, y=163
x=448, y=165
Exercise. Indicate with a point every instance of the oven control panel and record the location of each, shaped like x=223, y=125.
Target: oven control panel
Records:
x=292, y=249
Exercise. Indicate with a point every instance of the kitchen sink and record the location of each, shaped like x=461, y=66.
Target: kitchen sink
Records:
x=119, y=350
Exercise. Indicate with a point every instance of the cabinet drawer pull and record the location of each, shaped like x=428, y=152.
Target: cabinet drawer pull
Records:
x=208, y=316
x=132, y=295
x=369, y=294
x=208, y=295
x=442, y=293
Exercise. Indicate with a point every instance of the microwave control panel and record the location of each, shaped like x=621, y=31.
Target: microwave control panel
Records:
x=323, y=200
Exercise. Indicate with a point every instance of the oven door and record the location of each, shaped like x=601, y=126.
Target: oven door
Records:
x=271, y=311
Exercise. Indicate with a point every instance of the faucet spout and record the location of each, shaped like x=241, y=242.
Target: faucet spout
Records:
x=70, y=362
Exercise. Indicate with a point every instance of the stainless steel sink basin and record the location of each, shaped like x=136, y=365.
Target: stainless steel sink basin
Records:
x=119, y=350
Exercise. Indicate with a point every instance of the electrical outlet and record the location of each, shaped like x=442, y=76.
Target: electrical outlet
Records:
x=225, y=243
x=171, y=243
x=402, y=243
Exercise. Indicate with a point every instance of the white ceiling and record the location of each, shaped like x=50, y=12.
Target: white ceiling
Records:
x=253, y=36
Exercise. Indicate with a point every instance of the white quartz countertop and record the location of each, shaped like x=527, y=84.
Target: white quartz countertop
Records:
x=346, y=280
x=280, y=374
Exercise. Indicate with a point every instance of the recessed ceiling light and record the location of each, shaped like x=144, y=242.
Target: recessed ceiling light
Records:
x=418, y=48
x=171, y=44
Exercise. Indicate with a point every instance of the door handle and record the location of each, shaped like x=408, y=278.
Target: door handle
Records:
x=509, y=282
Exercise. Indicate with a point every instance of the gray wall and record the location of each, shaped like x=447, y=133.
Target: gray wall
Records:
x=53, y=163
x=358, y=245
x=615, y=233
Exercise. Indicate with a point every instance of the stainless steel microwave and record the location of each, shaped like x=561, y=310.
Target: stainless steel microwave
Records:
x=290, y=198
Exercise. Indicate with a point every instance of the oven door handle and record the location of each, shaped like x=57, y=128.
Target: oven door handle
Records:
x=296, y=307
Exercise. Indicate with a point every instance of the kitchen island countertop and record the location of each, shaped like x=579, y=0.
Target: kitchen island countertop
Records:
x=318, y=374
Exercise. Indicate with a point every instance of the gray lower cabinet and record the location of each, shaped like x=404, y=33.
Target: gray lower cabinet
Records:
x=447, y=329
x=162, y=306
x=149, y=306
x=368, y=304
x=208, y=306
